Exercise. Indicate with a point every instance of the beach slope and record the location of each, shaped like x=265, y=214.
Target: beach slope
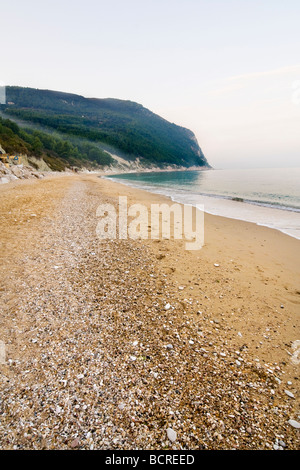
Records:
x=126, y=344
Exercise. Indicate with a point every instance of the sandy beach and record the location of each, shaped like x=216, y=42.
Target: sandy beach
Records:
x=142, y=344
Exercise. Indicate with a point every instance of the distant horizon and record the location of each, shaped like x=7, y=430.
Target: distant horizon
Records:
x=116, y=98
x=218, y=167
x=228, y=71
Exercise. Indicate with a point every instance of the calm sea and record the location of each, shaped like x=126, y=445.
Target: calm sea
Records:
x=269, y=197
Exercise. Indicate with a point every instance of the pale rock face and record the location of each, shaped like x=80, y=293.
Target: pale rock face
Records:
x=4, y=180
x=15, y=172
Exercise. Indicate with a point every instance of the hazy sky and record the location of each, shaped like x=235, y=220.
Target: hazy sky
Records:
x=227, y=69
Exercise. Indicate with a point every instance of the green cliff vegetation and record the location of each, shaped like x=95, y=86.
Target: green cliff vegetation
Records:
x=126, y=128
x=56, y=152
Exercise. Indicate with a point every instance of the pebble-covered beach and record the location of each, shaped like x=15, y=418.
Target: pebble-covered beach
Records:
x=103, y=347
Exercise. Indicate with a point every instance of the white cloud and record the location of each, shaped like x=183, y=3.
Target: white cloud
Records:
x=238, y=82
x=281, y=71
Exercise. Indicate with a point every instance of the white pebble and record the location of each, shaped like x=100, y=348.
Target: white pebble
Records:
x=294, y=423
x=2, y=352
x=171, y=434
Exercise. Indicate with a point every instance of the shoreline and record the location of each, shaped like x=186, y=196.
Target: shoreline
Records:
x=119, y=171
x=229, y=204
x=262, y=262
x=116, y=342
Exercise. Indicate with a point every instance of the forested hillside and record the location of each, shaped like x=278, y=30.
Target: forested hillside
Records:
x=56, y=152
x=125, y=127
